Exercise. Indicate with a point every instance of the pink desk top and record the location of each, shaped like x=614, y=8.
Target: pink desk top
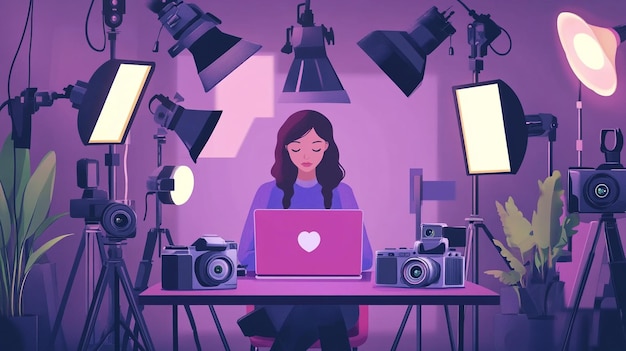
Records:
x=252, y=291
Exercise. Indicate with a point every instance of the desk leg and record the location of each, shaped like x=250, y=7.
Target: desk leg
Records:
x=461, y=328
x=175, y=327
x=418, y=327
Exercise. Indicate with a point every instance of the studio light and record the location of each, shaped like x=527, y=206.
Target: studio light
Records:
x=493, y=127
x=173, y=184
x=311, y=77
x=193, y=127
x=108, y=103
x=590, y=51
x=216, y=54
x=402, y=55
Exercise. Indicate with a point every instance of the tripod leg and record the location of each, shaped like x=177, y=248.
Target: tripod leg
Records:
x=66, y=293
x=132, y=302
x=617, y=265
x=401, y=330
x=94, y=307
x=581, y=287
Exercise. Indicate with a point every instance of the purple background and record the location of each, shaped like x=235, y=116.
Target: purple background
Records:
x=381, y=134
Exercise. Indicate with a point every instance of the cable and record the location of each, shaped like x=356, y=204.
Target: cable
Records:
x=30, y=39
x=126, y=166
x=145, y=212
x=30, y=6
x=510, y=44
x=4, y=104
x=87, y=31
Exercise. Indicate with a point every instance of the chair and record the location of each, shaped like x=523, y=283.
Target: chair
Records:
x=357, y=334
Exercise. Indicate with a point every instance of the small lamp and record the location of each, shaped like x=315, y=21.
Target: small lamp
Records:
x=173, y=184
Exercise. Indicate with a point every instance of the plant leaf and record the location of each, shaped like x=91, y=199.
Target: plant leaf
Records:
x=508, y=278
x=516, y=227
x=38, y=195
x=546, y=219
x=567, y=231
x=5, y=219
x=6, y=171
x=22, y=174
x=512, y=261
x=47, y=223
x=41, y=250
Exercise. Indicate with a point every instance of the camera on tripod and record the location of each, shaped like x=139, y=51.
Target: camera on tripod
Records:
x=599, y=190
x=117, y=219
x=431, y=263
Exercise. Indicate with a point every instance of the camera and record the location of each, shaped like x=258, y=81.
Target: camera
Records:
x=431, y=263
x=599, y=190
x=117, y=219
x=209, y=263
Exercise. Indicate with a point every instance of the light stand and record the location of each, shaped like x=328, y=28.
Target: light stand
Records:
x=480, y=34
x=145, y=266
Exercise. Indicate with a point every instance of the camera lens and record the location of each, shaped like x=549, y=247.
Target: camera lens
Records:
x=416, y=272
x=420, y=272
x=601, y=190
x=214, y=269
x=119, y=221
x=429, y=232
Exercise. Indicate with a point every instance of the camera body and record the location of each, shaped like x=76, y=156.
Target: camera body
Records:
x=209, y=263
x=118, y=220
x=596, y=190
x=431, y=263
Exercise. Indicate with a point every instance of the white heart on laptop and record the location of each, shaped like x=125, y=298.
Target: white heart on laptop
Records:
x=309, y=241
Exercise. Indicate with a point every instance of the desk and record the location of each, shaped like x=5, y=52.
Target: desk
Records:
x=251, y=291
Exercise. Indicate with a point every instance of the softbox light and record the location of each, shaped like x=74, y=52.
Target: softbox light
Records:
x=493, y=127
x=311, y=76
x=215, y=53
x=402, y=55
x=108, y=103
x=173, y=184
x=590, y=51
x=193, y=127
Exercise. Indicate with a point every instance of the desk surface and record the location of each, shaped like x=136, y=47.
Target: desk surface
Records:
x=363, y=291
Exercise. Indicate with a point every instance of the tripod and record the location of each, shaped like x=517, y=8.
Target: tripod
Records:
x=617, y=266
x=113, y=274
x=145, y=266
x=90, y=230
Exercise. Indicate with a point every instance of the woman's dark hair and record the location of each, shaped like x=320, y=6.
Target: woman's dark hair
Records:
x=329, y=172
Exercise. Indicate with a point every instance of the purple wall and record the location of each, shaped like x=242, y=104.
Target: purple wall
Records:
x=381, y=134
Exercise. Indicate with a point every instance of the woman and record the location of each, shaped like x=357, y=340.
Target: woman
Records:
x=307, y=175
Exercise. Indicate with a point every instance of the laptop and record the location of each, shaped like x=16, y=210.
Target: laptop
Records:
x=295, y=243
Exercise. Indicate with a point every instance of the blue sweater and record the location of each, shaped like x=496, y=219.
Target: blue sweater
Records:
x=306, y=195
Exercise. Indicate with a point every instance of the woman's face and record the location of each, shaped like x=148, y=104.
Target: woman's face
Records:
x=307, y=152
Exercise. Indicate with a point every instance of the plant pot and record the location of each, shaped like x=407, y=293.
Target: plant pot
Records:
x=550, y=298
x=25, y=332
x=517, y=332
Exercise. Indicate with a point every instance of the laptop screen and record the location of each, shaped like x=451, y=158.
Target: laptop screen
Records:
x=308, y=242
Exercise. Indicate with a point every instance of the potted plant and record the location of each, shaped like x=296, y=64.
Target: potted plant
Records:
x=535, y=292
x=24, y=216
